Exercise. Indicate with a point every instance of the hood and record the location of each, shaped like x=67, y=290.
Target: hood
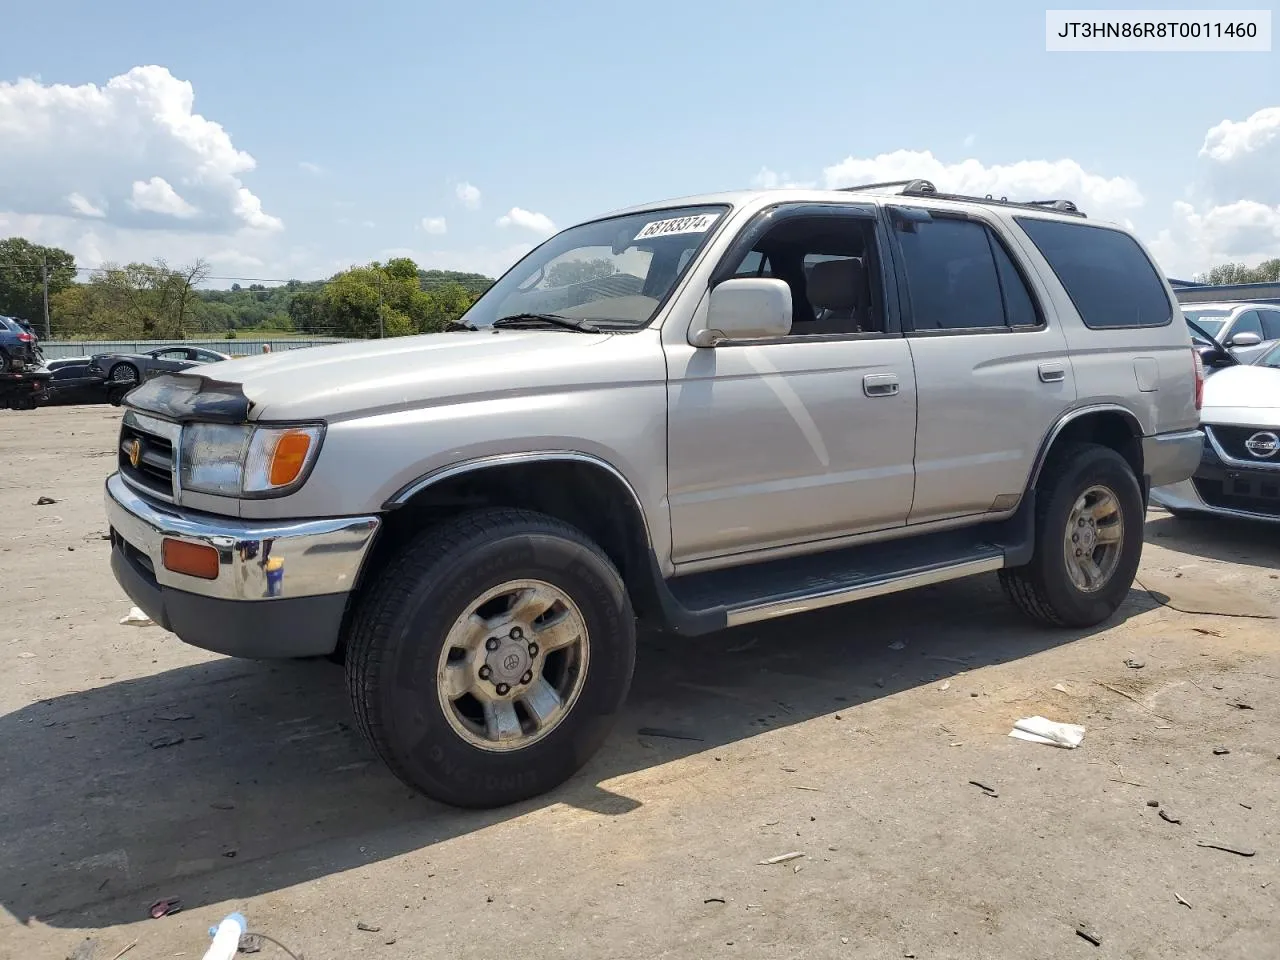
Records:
x=1244, y=395
x=341, y=381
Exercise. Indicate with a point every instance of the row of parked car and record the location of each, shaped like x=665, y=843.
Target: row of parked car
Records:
x=28, y=381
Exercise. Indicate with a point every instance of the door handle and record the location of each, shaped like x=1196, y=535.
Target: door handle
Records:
x=1053, y=372
x=880, y=384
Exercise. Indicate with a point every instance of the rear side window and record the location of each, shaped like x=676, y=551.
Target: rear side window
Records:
x=1107, y=275
x=960, y=277
x=1270, y=324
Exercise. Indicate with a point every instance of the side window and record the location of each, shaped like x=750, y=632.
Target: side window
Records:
x=831, y=265
x=1109, y=278
x=1248, y=322
x=1019, y=306
x=951, y=275
x=1270, y=324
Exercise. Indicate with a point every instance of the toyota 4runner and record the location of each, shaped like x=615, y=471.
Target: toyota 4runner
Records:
x=695, y=414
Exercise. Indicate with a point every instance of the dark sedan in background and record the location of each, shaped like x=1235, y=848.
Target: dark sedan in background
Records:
x=130, y=369
x=19, y=346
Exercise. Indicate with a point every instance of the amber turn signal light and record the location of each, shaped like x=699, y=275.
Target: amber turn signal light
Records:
x=289, y=457
x=190, y=559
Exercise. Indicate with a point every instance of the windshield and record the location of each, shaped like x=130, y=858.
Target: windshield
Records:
x=1212, y=320
x=614, y=273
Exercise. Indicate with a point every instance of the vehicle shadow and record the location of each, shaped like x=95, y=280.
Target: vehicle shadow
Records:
x=1216, y=538
x=230, y=779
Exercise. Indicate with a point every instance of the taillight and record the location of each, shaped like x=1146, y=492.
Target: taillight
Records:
x=1199, y=365
x=25, y=338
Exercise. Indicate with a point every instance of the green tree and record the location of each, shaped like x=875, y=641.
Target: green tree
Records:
x=21, y=283
x=1266, y=272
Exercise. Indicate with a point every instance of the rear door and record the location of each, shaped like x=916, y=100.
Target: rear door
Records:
x=992, y=371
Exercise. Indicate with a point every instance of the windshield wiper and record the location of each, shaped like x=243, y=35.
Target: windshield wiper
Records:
x=554, y=319
x=454, y=326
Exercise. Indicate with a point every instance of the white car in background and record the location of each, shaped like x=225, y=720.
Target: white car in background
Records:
x=1239, y=472
x=1247, y=330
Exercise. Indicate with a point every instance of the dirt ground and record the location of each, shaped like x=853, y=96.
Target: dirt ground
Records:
x=133, y=768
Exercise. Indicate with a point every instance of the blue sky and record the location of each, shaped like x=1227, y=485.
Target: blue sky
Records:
x=363, y=121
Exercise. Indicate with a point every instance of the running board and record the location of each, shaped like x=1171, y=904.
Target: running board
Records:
x=704, y=602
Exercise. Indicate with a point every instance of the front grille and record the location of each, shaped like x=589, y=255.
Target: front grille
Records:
x=1232, y=441
x=1250, y=491
x=154, y=470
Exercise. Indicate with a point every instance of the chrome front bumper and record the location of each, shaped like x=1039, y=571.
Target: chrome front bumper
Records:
x=1183, y=498
x=295, y=609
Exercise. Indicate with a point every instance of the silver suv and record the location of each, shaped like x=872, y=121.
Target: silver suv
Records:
x=693, y=414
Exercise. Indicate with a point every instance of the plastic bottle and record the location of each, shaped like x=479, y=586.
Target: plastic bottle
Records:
x=226, y=937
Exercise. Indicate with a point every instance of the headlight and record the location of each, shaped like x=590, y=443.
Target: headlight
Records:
x=233, y=460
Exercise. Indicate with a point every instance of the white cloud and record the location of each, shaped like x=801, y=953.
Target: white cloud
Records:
x=1232, y=139
x=312, y=168
x=100, y=141
x=527, y=219
x=767, y=179
x=435, y=225
x=469, y=195
x=157, y=196
x=1100, y=196
x=81, y=204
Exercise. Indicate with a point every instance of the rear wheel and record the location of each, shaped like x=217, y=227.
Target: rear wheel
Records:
x=1088, y=539
x=124, y=373
x=490, y=659
x=6, y=362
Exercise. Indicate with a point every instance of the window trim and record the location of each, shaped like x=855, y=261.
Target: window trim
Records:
x=1155, y=271
x=768, y=218
x=992, y=234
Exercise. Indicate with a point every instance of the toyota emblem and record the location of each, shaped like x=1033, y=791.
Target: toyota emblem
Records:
x=133, y=449
x=1263, y=445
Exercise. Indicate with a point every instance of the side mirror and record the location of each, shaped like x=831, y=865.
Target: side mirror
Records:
x=1244, y=339
x=750, y=308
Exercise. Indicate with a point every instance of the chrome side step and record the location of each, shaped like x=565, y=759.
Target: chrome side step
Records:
x=878, y=586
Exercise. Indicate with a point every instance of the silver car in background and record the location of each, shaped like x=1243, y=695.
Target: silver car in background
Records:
x=1247, y=330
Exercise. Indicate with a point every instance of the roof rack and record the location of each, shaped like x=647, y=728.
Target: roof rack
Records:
x=924, y=188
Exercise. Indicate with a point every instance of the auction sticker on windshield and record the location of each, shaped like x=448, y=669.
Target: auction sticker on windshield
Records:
x=666, y=228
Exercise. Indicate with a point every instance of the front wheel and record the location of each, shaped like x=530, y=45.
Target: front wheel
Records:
x=489, y=660
x=1089, y=523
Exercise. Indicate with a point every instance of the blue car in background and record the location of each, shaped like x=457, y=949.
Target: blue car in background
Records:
x=19, y=346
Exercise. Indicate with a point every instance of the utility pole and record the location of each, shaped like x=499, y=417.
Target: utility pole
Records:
x=44, y=276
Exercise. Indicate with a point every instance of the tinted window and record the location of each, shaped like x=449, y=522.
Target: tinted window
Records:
x=1247, y=322
x=1019, y=307
x=1270, y=324
x=1105, y=272
x=951, y=276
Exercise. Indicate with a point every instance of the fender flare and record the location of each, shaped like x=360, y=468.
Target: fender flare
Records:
x=1070, y=417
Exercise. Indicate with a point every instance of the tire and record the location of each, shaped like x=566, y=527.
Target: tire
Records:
x=123, y=373
x=5, y=362
x=1044, y=589
x=413, y=613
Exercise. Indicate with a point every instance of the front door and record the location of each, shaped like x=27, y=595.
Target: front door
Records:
x=805, y=438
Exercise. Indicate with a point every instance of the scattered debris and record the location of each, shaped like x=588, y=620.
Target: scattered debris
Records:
x=222, y=805
x=1240, y=704
x=1127, y=783
x=898, y=645
x=1084, y=931
x=125, y=949
x=1207, y=632
x=1220, y=751
x=368, y=927
x=782, y=858
x=1245, y=805
x=26, y=655
x=1153, y=803
x=165, y=907
x=45, y=502
x=1040, y=730
x=174, y=717
x=1130, y=696
x=230, y=854
x=667, y=734
x=946, y=685
x=989, y=791
x=844, y=939
x=810, y=789
x=389, y=941
x=136, y=618
x=1238, y=851
x=1133, y=664
x=796, y=868
x=714, y=900
x=1168, y=817
x=169, y=740
x=880, y=682
x=1178, y=897
x=1061, y=689
x=250, y=943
